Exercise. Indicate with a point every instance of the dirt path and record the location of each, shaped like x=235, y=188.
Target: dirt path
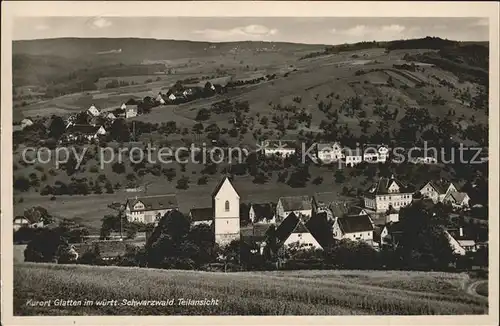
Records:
x=471, y=289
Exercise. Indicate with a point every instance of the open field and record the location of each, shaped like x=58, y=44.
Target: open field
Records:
x=298, y=293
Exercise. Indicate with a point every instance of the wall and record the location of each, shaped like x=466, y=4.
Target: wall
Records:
x=366, y=236
x=302, y=238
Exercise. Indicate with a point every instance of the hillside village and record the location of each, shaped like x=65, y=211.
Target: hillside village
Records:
x=352, y=193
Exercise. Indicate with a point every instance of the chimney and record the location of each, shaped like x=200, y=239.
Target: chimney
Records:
x=461, y=231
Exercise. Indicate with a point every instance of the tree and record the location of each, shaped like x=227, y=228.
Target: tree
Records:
x=339, y=176
x=202, y=115
x=43, y=248
x=57, y=127
x=183, y=183
x=118, y=167
x=119, y=131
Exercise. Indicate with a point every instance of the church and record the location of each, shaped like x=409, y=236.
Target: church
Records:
x=225, y=213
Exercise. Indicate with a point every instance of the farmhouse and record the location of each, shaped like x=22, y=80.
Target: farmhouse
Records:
x=131, y=111
x=88, y=132
x=438, y=190
x=93, y=111
x=328, y=153
x=354, y=227
x=299, y=205
x=293, y=230
x=262, y=213
x=460, y=243
x=375, y=153
x=457, y=199
x=31, y=221
x=385, y=193
x=280, y=148
x=352, y=157
x=149, y=209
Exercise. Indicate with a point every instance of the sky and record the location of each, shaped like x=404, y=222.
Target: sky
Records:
x=314, y=30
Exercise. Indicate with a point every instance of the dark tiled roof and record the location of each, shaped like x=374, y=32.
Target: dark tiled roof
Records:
x=355, y=223
x=201, y=214
x=264, y=211
x=296, y=203
x=257, y=231
x=155, y=202
x=355, y=210
x=458, y=197
x=382, y=186
x=339, y=209
x=324, y=198
x=83, y=129
x=321, y=229
x=291, y=224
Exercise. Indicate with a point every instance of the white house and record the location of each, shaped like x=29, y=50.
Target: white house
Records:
x=460, y=243
x=457, y=199
x=131, y=111
x=160, y=99
x=352, y=156
x=149, y=209
x=88, y=132
x=299, y=205
x=328, y=153
x=226, y=211
x=34, y=221
x=375, y=153
x=354, y=227
x=172, y=97
x=93, y=111
x=438, y=190
x=123, y=107
x=292, y=230
x=26, y=123
x=385, y=193
x=280, y=148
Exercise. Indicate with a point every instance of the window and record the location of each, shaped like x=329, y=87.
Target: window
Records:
x=227, y=206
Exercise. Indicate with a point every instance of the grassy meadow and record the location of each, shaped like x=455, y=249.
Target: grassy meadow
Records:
x=256, y=293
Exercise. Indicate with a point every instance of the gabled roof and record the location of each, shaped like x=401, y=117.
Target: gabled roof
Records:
x=355, y=210
x=296, y=203
x=458, y=197
x=83, y=129
x=339, y=209
x=264, y=210
x=201, y=214
x=324, y=198
x=219, y=186
x=256, y=232
x=382, y=186
x=441, y=186
x=291, y=224
x=155, y=202
x=355, y=223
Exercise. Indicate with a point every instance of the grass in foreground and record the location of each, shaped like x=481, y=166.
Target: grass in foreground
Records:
x=267, y=293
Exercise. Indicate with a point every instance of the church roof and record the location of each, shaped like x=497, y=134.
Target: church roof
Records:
x=219, y=186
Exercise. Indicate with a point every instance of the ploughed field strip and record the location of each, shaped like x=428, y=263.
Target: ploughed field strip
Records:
x=249, y=293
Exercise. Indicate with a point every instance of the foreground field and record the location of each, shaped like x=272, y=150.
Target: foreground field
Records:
x=266, y=293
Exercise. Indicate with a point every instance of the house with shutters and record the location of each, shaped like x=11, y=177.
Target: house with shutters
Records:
x=354, y=227
x=437, y=190
x=293, y=230
x=387, y=192
x=149, y=209
x=301, y=206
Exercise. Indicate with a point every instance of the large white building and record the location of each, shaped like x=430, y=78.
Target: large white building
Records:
x=386, y=193
x=149, y=209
